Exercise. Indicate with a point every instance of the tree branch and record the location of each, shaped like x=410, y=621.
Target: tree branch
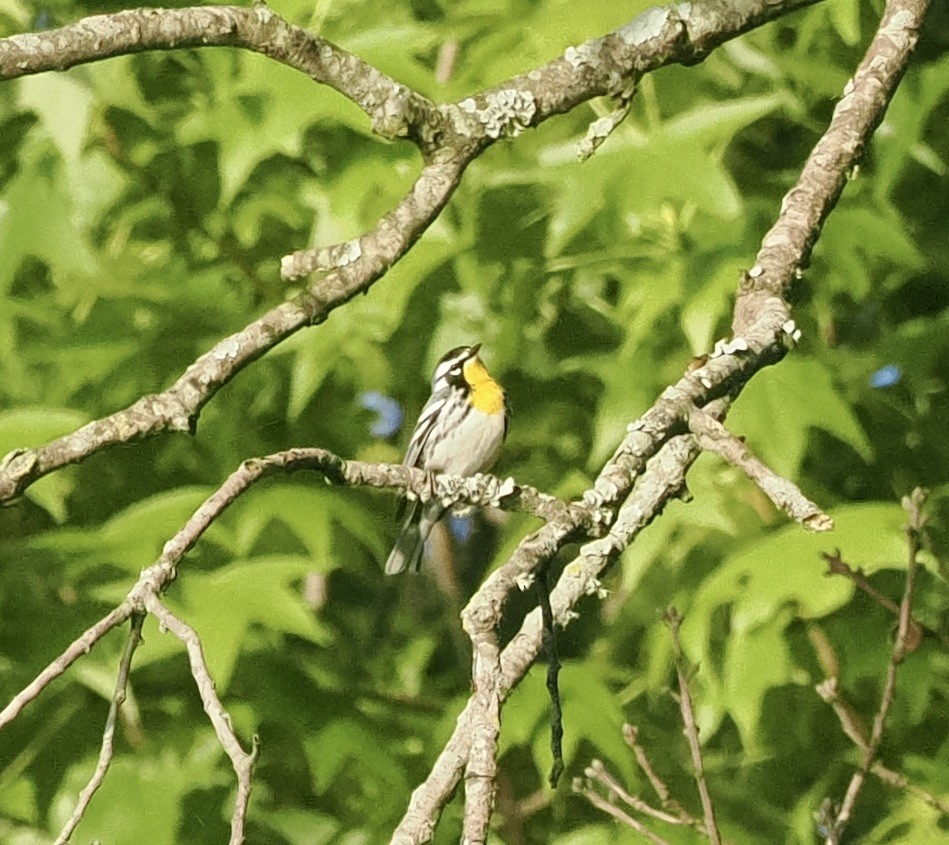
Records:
x=395, y=110
x=691, y=730
x=714, y=437
x=914, y=528
x=108, y=734
x=450, y=136
x=763, y=332
x=242, y=761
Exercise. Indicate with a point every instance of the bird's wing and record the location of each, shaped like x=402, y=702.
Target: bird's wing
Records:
x=423, y=428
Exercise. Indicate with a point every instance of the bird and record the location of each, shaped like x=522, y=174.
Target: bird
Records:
x=459, y=432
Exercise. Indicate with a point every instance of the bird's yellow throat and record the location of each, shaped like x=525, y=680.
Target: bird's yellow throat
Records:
x=486, y=394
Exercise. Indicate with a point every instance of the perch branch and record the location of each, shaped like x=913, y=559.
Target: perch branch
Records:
x=450, y=136
x=762, y=325
x=477, y=490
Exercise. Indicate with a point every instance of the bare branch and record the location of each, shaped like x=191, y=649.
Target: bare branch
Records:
x=485, y=722
x=914, y=508
x=108, y=734
x=785, y=494
x=450, y=140
x=242, y=762
x=762, y=323
x=601, y=803
x=691, y=731
x=80, y=646
x=394, y=109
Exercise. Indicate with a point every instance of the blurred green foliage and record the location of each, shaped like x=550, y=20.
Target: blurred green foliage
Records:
x=144, y=205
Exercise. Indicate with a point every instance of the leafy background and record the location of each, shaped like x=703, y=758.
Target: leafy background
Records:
x=144, y=204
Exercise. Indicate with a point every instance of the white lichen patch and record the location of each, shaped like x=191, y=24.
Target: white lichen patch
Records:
x=583, y=54
x=729, y=347
x=348, y=252
x=792, y=333
x=645, y=27
x=390, y=111
x=263, y=12
x=593, y=587
x=507, y=112
x=227, y=348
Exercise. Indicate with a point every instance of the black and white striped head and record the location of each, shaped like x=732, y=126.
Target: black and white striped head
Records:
x=450, y=370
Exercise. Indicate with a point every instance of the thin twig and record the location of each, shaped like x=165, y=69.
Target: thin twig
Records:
x=553, y=689
x=898, y=781
x=631, y=735
x=674, y=620
x=914, y=529
x=601, y=803
x=714, y=437
x=836, y=565
x=108, y=734
x=242, y=761
x=82, y=645
x=597, y=772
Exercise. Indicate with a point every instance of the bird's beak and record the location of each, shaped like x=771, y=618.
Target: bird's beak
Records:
x=474, y=350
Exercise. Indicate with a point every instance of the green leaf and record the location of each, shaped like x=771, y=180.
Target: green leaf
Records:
x=34, y=426
x=224, y=605
x=703, y=311
x=252, y=112
x=345, y=742
x=781, y=403
x=28, y=229
x=139, y=801
x=845, y=17
x=63, y=105
x=134, y=537
x=755, y=588
x=300, y=827
x=316, y=514
x=755, y=661
x=18, y=800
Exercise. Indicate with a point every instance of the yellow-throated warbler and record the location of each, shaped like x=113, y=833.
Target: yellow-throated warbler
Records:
x=459, y=432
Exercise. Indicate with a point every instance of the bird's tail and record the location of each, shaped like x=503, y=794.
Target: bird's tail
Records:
x=406, y=555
